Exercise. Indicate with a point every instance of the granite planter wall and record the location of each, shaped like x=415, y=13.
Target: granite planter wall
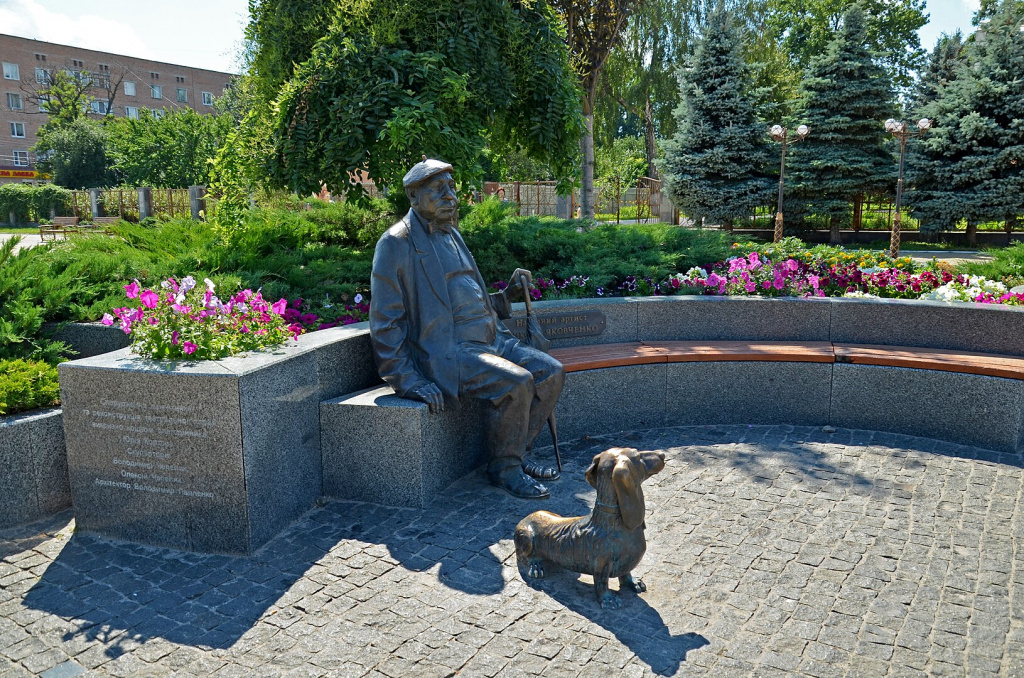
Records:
x=33, y=467
x=210, y=456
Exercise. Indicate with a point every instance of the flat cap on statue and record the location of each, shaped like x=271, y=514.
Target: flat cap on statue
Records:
x=422, y=171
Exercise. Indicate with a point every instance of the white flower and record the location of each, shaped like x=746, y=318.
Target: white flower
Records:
x=209, y=284
x=857, y=294
x=697, y=272
x=359, y=299
x=187, y=283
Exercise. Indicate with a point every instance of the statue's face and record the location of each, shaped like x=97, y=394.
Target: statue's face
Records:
x=435, y=200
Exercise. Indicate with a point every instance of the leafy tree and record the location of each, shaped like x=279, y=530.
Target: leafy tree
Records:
x=846, y=98
x=64, y=98
x=593, y=27
x=391, y=80
x=170, y=151
x=639, y=90
x=716, y=164
x=805, y=28
x=972, y=166
x=75, y=154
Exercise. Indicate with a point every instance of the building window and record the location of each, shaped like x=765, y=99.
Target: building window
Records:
x=207, y=98
x=182, y=95
x=21, y=158
x=99, y=107
x=42, y=76
x=77, y=64
x=154, y=76
x=11, y=71
x=132, y=112
x=129, y=88
x=156, y=91
x=157, y=113
x=103, y=68
x=13, y=101
x=179, y=78
x=40, y=57
x=18, y=130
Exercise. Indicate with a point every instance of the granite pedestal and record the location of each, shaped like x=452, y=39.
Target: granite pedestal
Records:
x=209, y=456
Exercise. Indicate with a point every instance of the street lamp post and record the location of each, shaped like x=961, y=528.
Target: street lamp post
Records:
x=779, y=133
x=899, y=130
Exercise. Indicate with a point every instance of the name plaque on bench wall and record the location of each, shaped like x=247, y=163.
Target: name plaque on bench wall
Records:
x=562, y=325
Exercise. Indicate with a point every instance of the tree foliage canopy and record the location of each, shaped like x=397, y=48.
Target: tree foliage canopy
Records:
x=806, y=27
x=972, y=164
x=846, y=99
x=716, y=166
x=75, y=154
x=173, y=150
x=371, y=85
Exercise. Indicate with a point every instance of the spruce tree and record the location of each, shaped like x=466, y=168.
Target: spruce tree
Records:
x=973, y=162
x=717, y=166
x=936, y=189
x=847, y=97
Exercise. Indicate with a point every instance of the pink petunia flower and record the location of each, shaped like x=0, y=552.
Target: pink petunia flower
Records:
x=132, y=289
x=108, y=319
x=279, y=306
x=189, y=348
x=149, y=299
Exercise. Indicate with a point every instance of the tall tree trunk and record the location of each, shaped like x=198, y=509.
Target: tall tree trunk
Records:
x=727, y=225
x=833, y=232
x=650, y=142
x=858, y=212
x=587, y=146
x=972, y=232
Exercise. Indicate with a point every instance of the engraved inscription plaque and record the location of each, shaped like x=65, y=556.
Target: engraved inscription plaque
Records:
x=562, y=325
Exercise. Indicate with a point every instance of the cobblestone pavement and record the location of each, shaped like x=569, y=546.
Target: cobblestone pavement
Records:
x=772, y=551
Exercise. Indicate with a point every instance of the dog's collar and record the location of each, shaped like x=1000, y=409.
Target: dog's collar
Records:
x=607, y=508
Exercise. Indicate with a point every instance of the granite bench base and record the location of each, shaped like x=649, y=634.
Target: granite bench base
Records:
x=380, y=448
x=33, y=467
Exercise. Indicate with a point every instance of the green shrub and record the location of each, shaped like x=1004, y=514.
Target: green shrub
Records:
x=27, y=385
x=32, y=203
x=561, y=248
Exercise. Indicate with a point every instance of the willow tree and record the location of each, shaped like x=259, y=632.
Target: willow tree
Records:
x=593, y=27
x=369, y=86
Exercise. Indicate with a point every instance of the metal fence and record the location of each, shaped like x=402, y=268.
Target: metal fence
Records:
x=613, y=200
x=124, y=203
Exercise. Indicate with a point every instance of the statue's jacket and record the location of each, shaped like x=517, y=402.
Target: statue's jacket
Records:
x=411, y=320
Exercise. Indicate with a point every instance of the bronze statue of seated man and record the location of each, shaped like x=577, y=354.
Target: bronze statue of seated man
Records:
x=437, y=334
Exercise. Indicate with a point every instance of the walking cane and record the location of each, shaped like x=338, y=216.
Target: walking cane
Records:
x=552, y=424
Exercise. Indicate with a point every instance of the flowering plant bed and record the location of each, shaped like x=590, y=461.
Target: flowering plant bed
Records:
x=186, y=321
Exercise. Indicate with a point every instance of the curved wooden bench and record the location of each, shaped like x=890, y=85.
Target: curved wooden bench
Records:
x=580, y=358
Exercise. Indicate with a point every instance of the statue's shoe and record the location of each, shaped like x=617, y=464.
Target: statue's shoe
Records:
x=540, y=471
x=521, y=486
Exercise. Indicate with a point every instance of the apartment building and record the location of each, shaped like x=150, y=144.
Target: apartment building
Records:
x=121, y=86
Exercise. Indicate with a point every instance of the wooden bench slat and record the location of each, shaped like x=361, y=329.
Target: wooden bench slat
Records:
x=579, y=358
x=984, y=364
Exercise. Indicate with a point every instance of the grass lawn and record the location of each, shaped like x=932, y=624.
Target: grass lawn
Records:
x=19, y=230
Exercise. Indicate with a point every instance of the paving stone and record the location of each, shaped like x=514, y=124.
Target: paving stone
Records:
x=772, y=550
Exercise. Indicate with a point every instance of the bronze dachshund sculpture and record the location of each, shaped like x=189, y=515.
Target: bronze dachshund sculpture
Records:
x=607, y=543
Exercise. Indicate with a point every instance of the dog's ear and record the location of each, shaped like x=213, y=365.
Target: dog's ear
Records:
x=591, y=472
x=627, y=481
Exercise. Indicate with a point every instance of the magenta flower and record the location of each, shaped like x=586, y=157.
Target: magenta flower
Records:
x=279, y=306
x=132, y=289
x=189, y=348
x=149, y=299
x=174, y=338
x=108, y=319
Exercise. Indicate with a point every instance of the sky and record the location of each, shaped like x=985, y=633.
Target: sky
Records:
x=182, y=32
x=209, y=34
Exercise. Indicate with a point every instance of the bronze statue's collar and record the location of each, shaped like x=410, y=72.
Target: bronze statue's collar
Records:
x=607, y=508
x=429, y=228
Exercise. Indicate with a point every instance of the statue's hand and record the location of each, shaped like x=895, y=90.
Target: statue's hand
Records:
x=514, y=289
x=430, y=394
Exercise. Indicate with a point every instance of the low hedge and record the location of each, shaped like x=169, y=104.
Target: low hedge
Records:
x=27, y=385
